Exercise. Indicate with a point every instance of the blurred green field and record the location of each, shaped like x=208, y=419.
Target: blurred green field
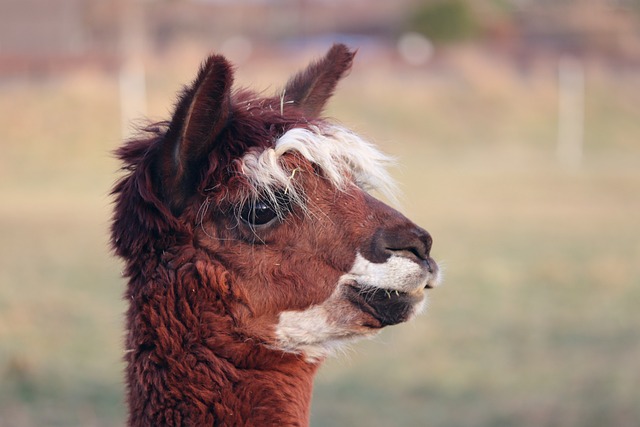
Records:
x=536, y=325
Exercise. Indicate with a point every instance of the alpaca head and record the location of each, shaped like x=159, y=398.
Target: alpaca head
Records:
x=271, y=201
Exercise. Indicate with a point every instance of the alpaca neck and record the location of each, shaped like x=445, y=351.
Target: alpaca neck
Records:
x=183, y=373
x=278, y=393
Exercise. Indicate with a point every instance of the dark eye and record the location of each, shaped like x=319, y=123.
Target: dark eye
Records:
x=258, y=213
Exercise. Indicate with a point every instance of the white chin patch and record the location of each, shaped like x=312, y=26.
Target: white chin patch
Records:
x=322, y=329
x=396, y=273
x=312, y=332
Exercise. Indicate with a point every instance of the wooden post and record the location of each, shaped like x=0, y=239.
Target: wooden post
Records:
x=133, y=96
x=571, y=89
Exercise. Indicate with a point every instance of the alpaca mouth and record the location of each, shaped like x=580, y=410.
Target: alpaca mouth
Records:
x=386, y=306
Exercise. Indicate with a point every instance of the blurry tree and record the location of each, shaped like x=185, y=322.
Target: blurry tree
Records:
x=444, y=20
x=609, y=27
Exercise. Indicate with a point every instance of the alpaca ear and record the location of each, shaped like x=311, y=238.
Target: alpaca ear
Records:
x=201, y=114
x=311, y=89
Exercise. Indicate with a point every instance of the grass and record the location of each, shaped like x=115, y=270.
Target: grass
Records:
x=536, y=323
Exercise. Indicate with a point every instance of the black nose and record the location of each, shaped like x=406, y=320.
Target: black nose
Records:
x=411, y=242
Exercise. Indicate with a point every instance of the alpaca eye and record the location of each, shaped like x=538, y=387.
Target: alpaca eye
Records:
x=258, y=213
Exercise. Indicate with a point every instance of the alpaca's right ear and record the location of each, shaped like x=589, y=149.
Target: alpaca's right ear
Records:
x=311, y=88
x=201, y=114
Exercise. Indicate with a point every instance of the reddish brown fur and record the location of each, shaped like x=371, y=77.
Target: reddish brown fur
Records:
x=205, y=290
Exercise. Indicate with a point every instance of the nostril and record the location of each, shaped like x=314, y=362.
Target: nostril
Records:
x=413, y=244
x=416, y=253
x=408, y=241
x=406, y=252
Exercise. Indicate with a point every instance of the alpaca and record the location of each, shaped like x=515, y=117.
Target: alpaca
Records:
x=253, y=250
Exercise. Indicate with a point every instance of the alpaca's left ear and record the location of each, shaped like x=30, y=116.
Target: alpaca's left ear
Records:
x=311, y=89
x=200, y=115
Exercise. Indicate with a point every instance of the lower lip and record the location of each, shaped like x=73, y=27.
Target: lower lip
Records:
x=382, y=304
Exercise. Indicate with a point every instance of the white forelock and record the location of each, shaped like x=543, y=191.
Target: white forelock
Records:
x=342, y=155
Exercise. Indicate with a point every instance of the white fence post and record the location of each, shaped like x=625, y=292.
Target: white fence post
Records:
x=571, y=88
x=132, y=81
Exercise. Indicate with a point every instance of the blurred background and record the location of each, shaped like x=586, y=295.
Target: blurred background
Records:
x=516, y=125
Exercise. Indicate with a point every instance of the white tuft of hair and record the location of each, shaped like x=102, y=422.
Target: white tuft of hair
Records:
x=342, y=155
